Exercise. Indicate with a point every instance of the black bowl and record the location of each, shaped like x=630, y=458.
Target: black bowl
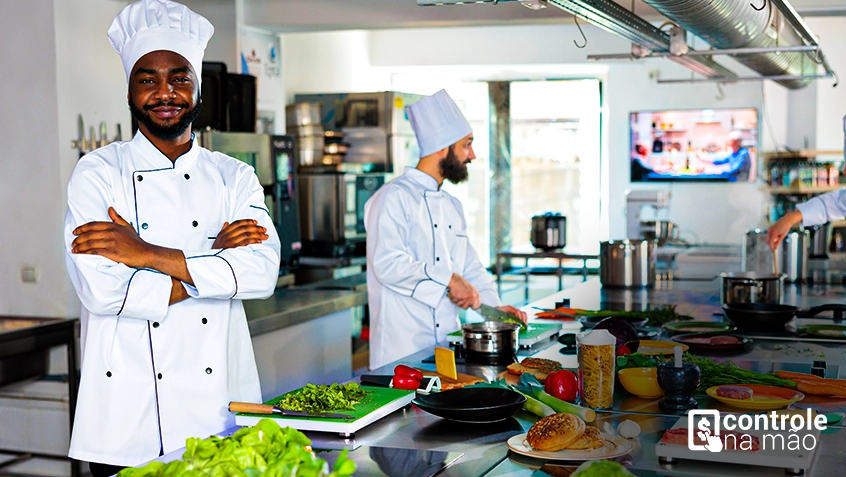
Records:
x=472, y=404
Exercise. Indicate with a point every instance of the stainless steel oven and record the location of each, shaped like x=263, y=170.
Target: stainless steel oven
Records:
x=332, y=206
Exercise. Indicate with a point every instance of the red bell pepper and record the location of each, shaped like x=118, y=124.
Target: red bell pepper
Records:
x=562, y=384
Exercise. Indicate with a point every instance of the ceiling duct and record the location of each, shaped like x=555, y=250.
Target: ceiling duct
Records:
x=736, y=24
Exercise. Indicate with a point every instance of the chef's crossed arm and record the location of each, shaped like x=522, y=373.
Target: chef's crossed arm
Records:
x=116, y=273
x=243, y=272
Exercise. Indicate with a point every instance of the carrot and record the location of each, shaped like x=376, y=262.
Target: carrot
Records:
x=571, y=311
x=820, y=389
x=810, y=378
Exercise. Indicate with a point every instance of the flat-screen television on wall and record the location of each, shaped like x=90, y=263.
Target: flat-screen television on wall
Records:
x=694, y=145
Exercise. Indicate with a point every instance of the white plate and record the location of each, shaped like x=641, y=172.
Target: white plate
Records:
x=615, y=446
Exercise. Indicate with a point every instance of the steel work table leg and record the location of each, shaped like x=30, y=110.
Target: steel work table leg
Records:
x=499, y=258
x=528, y=272
x=73, y=390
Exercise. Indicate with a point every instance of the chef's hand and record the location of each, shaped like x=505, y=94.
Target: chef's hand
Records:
x=116, y=240
x=780, y=229
x=514, y=311
x=240, y=233
x=463, y=294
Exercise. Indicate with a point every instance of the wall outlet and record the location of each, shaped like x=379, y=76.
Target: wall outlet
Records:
x=29, y=273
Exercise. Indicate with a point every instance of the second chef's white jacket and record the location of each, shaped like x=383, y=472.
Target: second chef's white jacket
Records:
x=416, y=240
x=823, y=208
x=152, y=374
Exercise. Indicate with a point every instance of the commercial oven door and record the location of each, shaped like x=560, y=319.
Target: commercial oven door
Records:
x=322, y=206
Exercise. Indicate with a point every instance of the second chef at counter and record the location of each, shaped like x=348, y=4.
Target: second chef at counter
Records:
x=417, y=244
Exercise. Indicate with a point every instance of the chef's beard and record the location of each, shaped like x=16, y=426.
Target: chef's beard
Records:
x=452, y=169
x=165, y=133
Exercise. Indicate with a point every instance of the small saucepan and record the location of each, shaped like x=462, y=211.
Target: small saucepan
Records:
x=491, y=338
x=773, y=317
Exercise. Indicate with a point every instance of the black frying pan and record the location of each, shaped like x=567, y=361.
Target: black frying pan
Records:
x=773, y=317
x=475, y=405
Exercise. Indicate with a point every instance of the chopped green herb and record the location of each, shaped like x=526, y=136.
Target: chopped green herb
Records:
x=317, y=398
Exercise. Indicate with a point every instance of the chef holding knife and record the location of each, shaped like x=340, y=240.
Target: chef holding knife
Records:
x=163, y=241
x=421, y=267
x=816, y=211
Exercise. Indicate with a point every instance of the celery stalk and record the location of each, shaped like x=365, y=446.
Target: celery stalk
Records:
x=587, y=414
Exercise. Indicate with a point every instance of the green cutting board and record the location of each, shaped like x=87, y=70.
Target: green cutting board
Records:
x=379, y=403
x=531, y=332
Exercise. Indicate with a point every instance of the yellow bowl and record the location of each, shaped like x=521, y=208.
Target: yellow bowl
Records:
x=642, y=382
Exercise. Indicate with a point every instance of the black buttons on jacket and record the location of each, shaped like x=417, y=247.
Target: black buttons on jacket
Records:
x=436, y=225
x=140, y=178
x=144, y=226
x=108, y=374
x=195, y=223
x=437, y=259
x=450, y=227
x=187, y=177
x=437, y=325
x=205, y=321
x=155, y=324
x=159, y=376
x=208, y=371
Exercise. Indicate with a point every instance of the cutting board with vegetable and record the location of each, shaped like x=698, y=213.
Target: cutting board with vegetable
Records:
x=377, y=403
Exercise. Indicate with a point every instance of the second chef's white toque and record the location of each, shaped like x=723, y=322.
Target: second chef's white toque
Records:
x=153, y=25
x=437, y=122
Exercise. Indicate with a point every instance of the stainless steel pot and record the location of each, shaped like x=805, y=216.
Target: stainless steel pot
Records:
x=491, y=338
x=793, y=259
x=751, y=287
x=627, y=263
x=549, y=231
x=660, y=230
x=820, y=238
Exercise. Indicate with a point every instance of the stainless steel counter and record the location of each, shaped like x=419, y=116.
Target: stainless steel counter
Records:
x=291, y=306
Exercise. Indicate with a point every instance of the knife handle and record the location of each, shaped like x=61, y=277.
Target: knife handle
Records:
x=250, y=408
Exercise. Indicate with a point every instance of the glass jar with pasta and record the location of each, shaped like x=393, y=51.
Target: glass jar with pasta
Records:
x=596, y=368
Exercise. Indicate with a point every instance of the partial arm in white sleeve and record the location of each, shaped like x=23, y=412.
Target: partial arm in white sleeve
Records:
x=244, y=273
x=106, y=287
x=387, y=252
x=824, y=208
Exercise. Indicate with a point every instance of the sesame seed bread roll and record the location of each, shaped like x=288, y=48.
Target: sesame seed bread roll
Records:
x=591, y=439
x=555, y=432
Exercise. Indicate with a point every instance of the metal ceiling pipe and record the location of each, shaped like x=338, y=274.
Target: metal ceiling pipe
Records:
x=735, y=24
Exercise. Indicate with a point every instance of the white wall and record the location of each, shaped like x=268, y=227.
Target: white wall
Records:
x=831, y=102
x=30, y=186
x=715, y=212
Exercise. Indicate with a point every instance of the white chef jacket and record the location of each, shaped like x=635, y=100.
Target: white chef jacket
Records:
x=152, y=374
x=416, y=240
x=823, y=208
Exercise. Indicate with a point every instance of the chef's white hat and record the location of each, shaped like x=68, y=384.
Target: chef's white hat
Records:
x=437, y=122
x=152, y=25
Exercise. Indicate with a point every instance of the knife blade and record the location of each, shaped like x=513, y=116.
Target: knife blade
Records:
x=496, y=314
x=252, y=408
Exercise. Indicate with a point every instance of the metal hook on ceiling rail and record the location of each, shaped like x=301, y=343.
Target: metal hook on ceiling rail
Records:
x=762, y=6
x=576, y=19
x=722, y=95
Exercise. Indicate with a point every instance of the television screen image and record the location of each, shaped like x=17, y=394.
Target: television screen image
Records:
x=694, y=145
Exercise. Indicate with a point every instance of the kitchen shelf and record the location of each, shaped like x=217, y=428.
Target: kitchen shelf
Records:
x=801, y=154
x=802, y=189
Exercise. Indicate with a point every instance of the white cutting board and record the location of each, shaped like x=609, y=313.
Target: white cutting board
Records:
x=784, y=458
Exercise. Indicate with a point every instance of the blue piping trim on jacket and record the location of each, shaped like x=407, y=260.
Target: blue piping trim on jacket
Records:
x=155, y=388
x=217, y=255
x=125, y=295
x=261, y=208
x=430, y=277
x=432, y=225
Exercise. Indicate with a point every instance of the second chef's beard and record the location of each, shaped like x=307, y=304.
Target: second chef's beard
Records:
x=165, y=133
x=452, y=169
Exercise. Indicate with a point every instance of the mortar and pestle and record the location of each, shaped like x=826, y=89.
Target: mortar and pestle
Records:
x=678, y=380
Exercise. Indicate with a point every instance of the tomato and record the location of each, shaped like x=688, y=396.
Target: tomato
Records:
x=562, y=384
x=408, y=371
x=623, y=350
x=405, y=382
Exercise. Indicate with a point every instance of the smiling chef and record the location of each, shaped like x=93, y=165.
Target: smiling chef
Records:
x=163, y=240
x=417, y=245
